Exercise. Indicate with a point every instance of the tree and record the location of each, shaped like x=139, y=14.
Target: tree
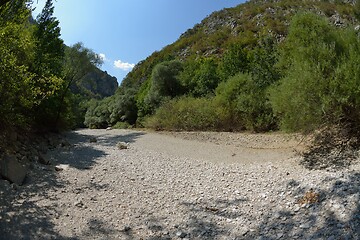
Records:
x=123, y=107
x=234, y=61
x=206, y=78
x=79, y=61
x=321, y=81
x=164, y=83
x=16, y=51
x=50, y=47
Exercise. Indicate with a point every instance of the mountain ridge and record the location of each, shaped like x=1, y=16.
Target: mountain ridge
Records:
x=226, y=43
x=246, y=21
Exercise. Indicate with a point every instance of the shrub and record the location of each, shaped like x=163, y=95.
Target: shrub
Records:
x=321, y=80
x=246, y=103
x=122, y=125
x=187, y=113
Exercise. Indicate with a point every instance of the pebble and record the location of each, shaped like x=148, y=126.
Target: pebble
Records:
x=180, y=234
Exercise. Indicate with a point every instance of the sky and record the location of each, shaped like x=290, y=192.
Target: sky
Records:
x=124, y=32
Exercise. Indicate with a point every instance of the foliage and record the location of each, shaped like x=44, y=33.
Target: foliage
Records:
x=187, y=113
x=123, y=107
x=122, y=125
x=246, y=104
x=16, y=51
x=321, y=83
x=98, y=114
x=234, y=61
x=36, y=72
x=49, y=52
x=200, y=77
x=164, y=84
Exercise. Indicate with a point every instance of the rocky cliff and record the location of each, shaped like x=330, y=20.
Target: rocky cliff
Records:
x=97, y=84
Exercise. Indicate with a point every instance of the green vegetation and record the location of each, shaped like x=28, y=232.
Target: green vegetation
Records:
x=37, y=70
x=187, y=113
x=321, y=80
x=298, y=73
x=277, y=66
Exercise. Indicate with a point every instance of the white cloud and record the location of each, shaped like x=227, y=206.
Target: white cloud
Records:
x=102, y=56
x=123, y=65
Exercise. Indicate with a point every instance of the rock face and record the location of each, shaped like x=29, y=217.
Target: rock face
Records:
x=12, y=170
x=97, y=84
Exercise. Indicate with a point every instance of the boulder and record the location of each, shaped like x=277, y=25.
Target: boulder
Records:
x=12, y=170
x=43, y=159
x=121, y=145
x=61, y=167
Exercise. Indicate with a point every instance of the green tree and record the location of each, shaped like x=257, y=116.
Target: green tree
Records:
x=235, y=60
x=123, y=107
x=16, y=51
x=263, y=62
x=50, y=47
x=320, y=78
x=206, y=78
x=98, y=113
x=79, y=61
x=164, y=83
x=47, y=64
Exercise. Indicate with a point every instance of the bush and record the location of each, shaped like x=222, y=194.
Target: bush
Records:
x=200, y=77
x=98, y=114
x=246, y=103
x=122, y=125
x=321, y=81
x=189, y=114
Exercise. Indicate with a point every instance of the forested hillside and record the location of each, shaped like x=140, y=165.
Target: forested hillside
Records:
x=261, y=66
x=44, y=85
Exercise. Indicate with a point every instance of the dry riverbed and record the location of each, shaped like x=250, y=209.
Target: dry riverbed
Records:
x=180, y=186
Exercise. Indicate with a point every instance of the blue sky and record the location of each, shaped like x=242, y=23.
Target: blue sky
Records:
x=125, y=32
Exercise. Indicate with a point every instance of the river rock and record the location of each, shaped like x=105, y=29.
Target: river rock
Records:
x=43, y=159
x=12, y=170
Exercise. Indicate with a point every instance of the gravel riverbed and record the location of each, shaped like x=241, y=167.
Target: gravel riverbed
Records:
x=181, y=186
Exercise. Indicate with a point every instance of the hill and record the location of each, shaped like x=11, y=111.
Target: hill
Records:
x=245, y=24
x=238, y=69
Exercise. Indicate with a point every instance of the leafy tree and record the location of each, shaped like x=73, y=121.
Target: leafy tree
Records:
x=47, y=64
x=187, y=113
x=235, y=60
x=98, y=113
x=16, y=51
x=79, y=60
x=206, y=78
x=320, y=84
x=200, y=77
x=188, y=74
x=263, y=67
x=49, y=52
x=357, y=9
x=164, y=83
x=123, y=107
x=227, y=95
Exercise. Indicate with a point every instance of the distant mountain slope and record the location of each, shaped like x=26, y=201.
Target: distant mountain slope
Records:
x=97, y=84
x=219, y=74
x=246, y=23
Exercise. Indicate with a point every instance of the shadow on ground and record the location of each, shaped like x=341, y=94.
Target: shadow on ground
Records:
x=83, y=154
x=318, y=221
x=23, y=212
x=328, y=222
x=21, y=218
